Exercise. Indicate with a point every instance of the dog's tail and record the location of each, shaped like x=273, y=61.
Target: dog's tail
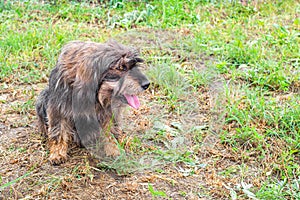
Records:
x=41, y=110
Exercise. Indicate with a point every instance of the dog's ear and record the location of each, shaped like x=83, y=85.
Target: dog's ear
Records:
x=84, y=98
x=83, y=106
x=126, y=55
x=131, y=61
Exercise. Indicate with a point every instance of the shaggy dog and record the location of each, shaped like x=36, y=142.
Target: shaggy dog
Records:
x=87, y=89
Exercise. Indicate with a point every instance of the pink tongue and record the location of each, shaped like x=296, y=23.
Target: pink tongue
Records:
x=132, y=100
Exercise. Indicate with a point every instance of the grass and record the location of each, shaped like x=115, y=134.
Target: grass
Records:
x=251, y=146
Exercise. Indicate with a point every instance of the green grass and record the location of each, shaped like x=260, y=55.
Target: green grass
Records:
x=254, y=49
x=156, y=193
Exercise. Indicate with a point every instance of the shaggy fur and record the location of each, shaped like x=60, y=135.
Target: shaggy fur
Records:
x=87, y=89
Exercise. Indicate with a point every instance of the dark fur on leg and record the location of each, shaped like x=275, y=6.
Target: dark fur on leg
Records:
x=87, y=89
x=41, y=107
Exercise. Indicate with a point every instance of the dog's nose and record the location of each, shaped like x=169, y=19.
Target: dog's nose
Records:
x=145, y=85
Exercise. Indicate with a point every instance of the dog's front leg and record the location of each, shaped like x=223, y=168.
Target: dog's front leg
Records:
x=116, y=129
x=118, y=133
x=110, y=144
x=59, y=136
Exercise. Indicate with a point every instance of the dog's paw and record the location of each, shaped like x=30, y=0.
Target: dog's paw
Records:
x=57, y=159
x=111, y=149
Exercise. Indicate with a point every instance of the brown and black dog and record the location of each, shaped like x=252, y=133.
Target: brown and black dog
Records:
x=87, y=89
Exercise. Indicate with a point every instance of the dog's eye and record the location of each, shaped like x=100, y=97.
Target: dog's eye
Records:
x=123, y=68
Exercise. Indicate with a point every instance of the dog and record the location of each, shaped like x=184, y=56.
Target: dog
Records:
x=83, y=101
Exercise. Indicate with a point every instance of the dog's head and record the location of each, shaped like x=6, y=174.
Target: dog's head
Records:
x=124, y=81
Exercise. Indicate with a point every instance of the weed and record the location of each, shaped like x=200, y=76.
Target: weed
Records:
x=124, y=164
x=15, y=180
x=156, y=193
